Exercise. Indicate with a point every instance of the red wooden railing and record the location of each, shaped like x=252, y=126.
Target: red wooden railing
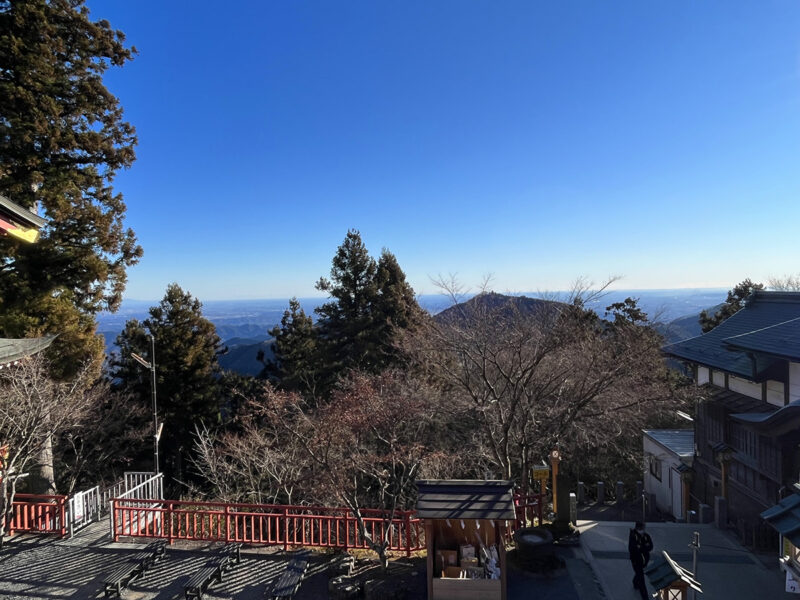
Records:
x=268, y=524
x=39, y=514
x=527, y=507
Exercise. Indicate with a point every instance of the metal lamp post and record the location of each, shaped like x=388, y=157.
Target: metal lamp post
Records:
x=152, y=366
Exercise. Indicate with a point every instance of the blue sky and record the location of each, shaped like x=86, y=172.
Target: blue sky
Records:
x=533, y=141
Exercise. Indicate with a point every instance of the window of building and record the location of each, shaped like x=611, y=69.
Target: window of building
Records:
x=655, y=467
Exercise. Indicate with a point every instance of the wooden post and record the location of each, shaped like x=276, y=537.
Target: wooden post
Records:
x=114, y=517
x=429, y=545
x=685, y=483
x=501, y=529
x=724, y=464
x=555, y=458
x=285, y=529
x=228, y=536
x=408, y=534
x=169, y=523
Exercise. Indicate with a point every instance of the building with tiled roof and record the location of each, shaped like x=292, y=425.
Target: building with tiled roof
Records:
x=747, y=426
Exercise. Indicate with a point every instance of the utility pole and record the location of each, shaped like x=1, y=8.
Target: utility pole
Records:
x=152, y=366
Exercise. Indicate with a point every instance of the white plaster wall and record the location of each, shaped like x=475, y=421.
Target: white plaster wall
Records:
x=794, y=381
x=748, y=388
x=775, y=392
x=718, y=378
x=702, y=375
x=652, y=485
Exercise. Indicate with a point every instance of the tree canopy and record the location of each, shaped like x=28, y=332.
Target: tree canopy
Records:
x=62, y=140
x=737, y=297
x=359, y=329
x=187, y=348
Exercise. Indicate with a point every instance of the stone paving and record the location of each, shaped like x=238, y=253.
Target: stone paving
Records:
x=726, y=569
x=43, y=567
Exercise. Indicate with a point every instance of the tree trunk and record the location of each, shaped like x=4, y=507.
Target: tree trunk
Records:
x=42, y=480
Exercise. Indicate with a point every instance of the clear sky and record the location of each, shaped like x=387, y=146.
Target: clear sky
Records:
x=534, y=141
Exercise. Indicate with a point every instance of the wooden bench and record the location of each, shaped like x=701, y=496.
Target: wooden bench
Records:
x=121, y=578
x=202, y=579
x=151, y=554
x=233, y=549
x=288, y=582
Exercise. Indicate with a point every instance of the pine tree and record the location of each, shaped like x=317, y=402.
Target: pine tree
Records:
x=735, y=301
x=294, y=365
x=187, y=349
x=62, y=139
x=396, y=310
x=346, y=323
x=371, y=304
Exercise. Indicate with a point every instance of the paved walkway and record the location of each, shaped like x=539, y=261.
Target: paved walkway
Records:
x=44, y=567
x=726, y=569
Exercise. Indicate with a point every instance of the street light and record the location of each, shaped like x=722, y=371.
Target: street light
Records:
x=152, y=366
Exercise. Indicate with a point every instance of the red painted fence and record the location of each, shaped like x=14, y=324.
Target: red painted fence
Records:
x=39, y=514
x=269, y=524
x=528, y=507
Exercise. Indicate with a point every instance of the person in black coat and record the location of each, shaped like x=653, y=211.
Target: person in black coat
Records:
x=640, y=545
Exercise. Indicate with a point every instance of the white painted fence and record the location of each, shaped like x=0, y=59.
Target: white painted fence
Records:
x=83, y=508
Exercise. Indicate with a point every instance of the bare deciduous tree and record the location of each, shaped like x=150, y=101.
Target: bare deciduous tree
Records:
x=115, y=431
x=364, y=448
x=787, y=283
x=33, y=410
x=533, y=374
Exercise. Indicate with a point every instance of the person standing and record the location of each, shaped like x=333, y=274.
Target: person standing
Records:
x=640, y=545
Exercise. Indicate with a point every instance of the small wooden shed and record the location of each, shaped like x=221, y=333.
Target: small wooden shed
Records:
x=671, y=581
x=465, y=530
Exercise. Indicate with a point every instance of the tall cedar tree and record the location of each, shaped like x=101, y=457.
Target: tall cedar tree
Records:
x=187, y=349
x=735, y=301
x=62, y=140
x=370, y=303
x=294, y=366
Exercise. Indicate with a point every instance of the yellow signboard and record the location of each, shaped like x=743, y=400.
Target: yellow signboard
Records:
x=541, y=473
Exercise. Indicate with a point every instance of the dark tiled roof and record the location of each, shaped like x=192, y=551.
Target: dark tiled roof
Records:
x=785, y=517
x=763, y=310
x=465, y=499
x=679, y=441
x=781, y=340
x=768, y=419
x=15, y=349
x=735, y=402
x=664, y=571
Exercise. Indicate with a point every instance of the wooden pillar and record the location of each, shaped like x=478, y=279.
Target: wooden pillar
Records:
x=501, y=530
x=429, y=545
x=555, y=458
x=724, y=467
x=685, y=485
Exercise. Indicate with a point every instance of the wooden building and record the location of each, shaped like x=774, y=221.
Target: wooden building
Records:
x=747, y=425
x=465, y=529
x=668, y=455
x=19, y=222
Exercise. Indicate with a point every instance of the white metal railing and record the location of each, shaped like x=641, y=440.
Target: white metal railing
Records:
x=138, y=486
x=83, y=508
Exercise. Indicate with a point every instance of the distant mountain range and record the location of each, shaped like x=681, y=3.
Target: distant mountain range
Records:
x=243, y=325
